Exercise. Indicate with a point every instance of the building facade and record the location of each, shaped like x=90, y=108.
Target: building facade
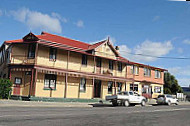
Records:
x=48, y=65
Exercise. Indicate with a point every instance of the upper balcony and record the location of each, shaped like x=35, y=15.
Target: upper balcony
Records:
x=20, y=59
x=22, y=54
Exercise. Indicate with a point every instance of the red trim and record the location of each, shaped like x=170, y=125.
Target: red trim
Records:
x=16, y=90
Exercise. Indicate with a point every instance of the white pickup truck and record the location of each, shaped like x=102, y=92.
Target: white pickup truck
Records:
x=126, y=98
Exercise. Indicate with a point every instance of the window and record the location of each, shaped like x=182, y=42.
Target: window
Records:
x=18, y=80
x=111, y=64
x=52, y=54
x=84, y=59
x=132, y=69
x=157, y=74
x=136, y=70
x=110, y=85
x=135, y=87
x=82, y=84
x=28, y=73
x=119, y=86
x=98, y=62
x=50, y=81
x=31, y=51
x=157, y=89
x=119, y=66
x=147, y=72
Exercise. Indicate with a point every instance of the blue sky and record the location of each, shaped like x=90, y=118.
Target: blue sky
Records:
x=150, y=27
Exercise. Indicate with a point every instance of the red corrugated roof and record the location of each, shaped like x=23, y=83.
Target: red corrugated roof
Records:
x=93, y=46
x=15, y=41
x=62, y=40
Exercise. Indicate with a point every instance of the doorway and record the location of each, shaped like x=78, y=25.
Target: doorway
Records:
x=97, y=88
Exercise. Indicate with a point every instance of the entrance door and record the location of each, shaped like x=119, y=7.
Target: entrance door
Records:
x=97, y=88
x=16, y=89
x=147, y=91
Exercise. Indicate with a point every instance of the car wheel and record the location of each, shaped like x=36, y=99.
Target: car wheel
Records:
x=169, y=103
x=143, y=103
x=114, y=103
x=177, y=103
x=127, y=103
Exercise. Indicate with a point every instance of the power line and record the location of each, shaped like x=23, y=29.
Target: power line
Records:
x=164, y=57
x=146, y=55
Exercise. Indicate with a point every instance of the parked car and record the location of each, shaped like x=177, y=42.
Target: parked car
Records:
x=188, y=98
x=167, y=99
x=126, y=98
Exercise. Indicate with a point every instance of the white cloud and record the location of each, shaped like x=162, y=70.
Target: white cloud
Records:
x=186, y=41
x=56, y=15
x=156, y=18
x=182, y=74
x=180, y=50
x=184, y=82
x=112, y=40
x=147, y=47
x=80, y=24
x=182, y=71
x=37, y=20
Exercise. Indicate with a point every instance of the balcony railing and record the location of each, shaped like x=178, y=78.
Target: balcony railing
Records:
x=20, y=59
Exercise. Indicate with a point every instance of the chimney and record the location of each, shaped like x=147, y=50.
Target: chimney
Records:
x=117, y=48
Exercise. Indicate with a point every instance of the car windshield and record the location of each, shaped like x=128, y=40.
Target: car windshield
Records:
x=169, y=96
x=131, y=93
x=160, y=96
x=123, y=93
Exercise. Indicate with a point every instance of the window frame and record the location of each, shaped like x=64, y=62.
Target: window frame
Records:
x=82, y=85
x=31, y=51
x=110, y=88
x=119, y=66
x=98, y=62
x=157, y=89
x=20, y=80
x=136, y=86
x=157, y=74
x=111, y=64
x=119, y=86
x=134, y=70
x=84, y=59
x=52, y=54
x=147, y=72
x=48, y=78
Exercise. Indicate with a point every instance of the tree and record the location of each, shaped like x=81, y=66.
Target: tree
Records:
x=171, y=85
x=5, y=88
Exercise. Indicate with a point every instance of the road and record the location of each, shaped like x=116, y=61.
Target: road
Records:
x=96, y=116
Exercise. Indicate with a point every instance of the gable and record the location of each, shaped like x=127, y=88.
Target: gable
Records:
x=106, y=50
x=30, y=37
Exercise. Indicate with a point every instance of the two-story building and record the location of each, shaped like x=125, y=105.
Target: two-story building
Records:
x=49, y=65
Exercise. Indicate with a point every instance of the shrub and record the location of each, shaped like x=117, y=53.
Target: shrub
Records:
x=5, y=88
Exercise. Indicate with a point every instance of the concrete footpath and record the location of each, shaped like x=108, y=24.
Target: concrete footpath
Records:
x=17, y=103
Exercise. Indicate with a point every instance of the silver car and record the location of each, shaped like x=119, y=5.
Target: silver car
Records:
x=167, y=99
